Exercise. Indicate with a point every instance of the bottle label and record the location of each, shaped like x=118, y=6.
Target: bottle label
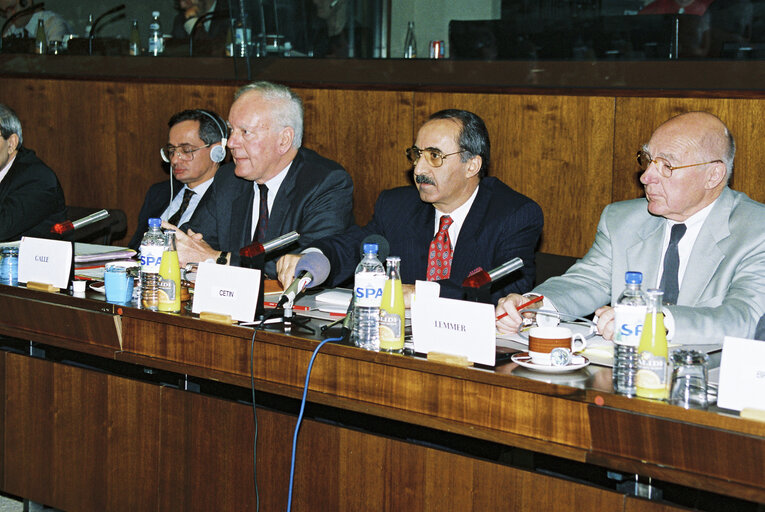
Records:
x=628, y=321
x=368, y=289
x=151, y=258
x=167, y=290
x=390, y=327
x=652, y=371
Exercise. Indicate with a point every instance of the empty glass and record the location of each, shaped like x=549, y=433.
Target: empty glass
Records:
x=689, y=379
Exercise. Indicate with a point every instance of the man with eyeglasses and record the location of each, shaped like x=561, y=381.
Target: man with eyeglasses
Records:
x=453, y=221
x=692, y=236
x=273, y=187
x=194, y=135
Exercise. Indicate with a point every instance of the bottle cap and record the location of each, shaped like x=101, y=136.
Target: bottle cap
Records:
x=155, y=14
x=370, y=248
x=155, y=222
x=633, y=277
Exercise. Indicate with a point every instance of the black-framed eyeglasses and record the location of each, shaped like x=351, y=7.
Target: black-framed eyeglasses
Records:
x=645, y=159
x=184, y=151
x=434, y=157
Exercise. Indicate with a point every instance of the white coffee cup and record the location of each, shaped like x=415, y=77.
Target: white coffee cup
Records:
x=542, y=340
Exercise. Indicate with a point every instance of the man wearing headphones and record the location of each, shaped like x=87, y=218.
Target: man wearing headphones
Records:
x=272, y=187
x=25, y=25
x=196, y=145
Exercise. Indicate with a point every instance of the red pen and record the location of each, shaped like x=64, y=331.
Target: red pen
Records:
x=523, y=306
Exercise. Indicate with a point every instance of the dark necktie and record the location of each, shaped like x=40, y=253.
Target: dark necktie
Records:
x=260, y=230
x=440, y=254
x=669, y=280
x=176, y=218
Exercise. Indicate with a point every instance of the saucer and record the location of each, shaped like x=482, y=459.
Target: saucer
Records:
x=523, y=359
x=97, y=287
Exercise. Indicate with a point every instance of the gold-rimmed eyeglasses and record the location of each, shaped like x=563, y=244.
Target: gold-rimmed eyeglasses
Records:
x=434, y=157
x=184, y=151
x=645, y=159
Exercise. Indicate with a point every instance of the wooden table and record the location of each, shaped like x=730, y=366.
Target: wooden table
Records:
x=136, y=410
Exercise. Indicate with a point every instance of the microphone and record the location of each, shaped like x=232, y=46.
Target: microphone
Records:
x=256, y=248
x=480, y=278
x=383, y=251
x=68, y=225
x=311, y=270
x=118, y=8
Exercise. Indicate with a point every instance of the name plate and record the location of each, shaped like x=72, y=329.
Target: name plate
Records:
x=45, y=261
x=450, y=326
x=742, y=374
x=226, y=290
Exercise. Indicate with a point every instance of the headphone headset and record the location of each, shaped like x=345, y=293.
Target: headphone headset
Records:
x=217, y=152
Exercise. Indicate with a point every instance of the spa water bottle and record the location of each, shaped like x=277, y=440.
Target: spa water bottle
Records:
x=156, y=40
x=629, y=314
x=152, y=248
x=651, y=380
x=169, y=278
x=368, y=290
x=392, y=312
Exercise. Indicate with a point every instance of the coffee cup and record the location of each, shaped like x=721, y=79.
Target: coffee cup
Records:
x=542, y=341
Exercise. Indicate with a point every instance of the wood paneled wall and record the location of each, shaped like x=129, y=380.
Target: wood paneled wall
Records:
x=572, y=154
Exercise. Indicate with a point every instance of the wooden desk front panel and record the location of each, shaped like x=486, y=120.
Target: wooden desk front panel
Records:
x=63, y=325
x=77, y=439
x=399, y=388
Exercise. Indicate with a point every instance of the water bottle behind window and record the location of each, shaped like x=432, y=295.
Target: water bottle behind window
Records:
x=156, y=41
x=368, y=290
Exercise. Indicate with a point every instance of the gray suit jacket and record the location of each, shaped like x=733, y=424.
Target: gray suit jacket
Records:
x=723, y=288
x=315, y=199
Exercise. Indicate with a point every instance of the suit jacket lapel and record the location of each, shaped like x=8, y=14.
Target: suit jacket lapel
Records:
x=645, y=255
x=706, y=254
x=284, y=199
x=240, y=227
x=419, y=233
x=463, y=261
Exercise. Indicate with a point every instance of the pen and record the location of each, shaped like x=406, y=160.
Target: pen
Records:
x=269, y=304
x=523, y=306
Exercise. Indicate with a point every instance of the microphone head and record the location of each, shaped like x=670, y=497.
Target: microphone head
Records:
x=383, y=247
x=316, y=264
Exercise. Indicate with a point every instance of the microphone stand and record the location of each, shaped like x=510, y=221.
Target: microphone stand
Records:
x=13, y=17
x=201, y=19
x=93, y=28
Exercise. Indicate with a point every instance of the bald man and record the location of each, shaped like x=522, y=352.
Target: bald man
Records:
x=719, y=258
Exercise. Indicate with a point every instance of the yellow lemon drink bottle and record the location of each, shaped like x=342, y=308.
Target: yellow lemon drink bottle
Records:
x=392, y=309
x=652, y=375
x=170, y=278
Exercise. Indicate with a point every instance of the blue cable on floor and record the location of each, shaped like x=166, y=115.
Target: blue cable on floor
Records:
x=300, y=416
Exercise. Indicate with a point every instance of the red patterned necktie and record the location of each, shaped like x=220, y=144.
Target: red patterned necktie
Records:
x=440, y=254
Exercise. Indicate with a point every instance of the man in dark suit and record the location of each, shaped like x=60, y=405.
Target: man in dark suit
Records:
x=31, y=198
x=273, y=186
x=191, y=10
x=195, y=147
x=478, y=219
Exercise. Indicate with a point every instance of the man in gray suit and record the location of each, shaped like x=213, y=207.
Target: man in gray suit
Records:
x=691, y=234
x=273, y=186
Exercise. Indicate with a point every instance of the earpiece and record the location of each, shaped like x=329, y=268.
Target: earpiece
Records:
x=218, y=152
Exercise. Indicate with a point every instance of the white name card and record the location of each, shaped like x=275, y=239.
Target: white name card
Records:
x=45, y=261
x=450, y=326
x=742, y=374
x=227, y=291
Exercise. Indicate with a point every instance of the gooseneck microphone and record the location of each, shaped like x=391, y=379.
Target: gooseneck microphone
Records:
x=68, y=225
x=311, y=270
x=256, y=248
x=480, y=278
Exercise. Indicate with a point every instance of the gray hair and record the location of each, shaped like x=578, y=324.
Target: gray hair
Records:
x=729, y=155
x=9, y=123
x=288, y=107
